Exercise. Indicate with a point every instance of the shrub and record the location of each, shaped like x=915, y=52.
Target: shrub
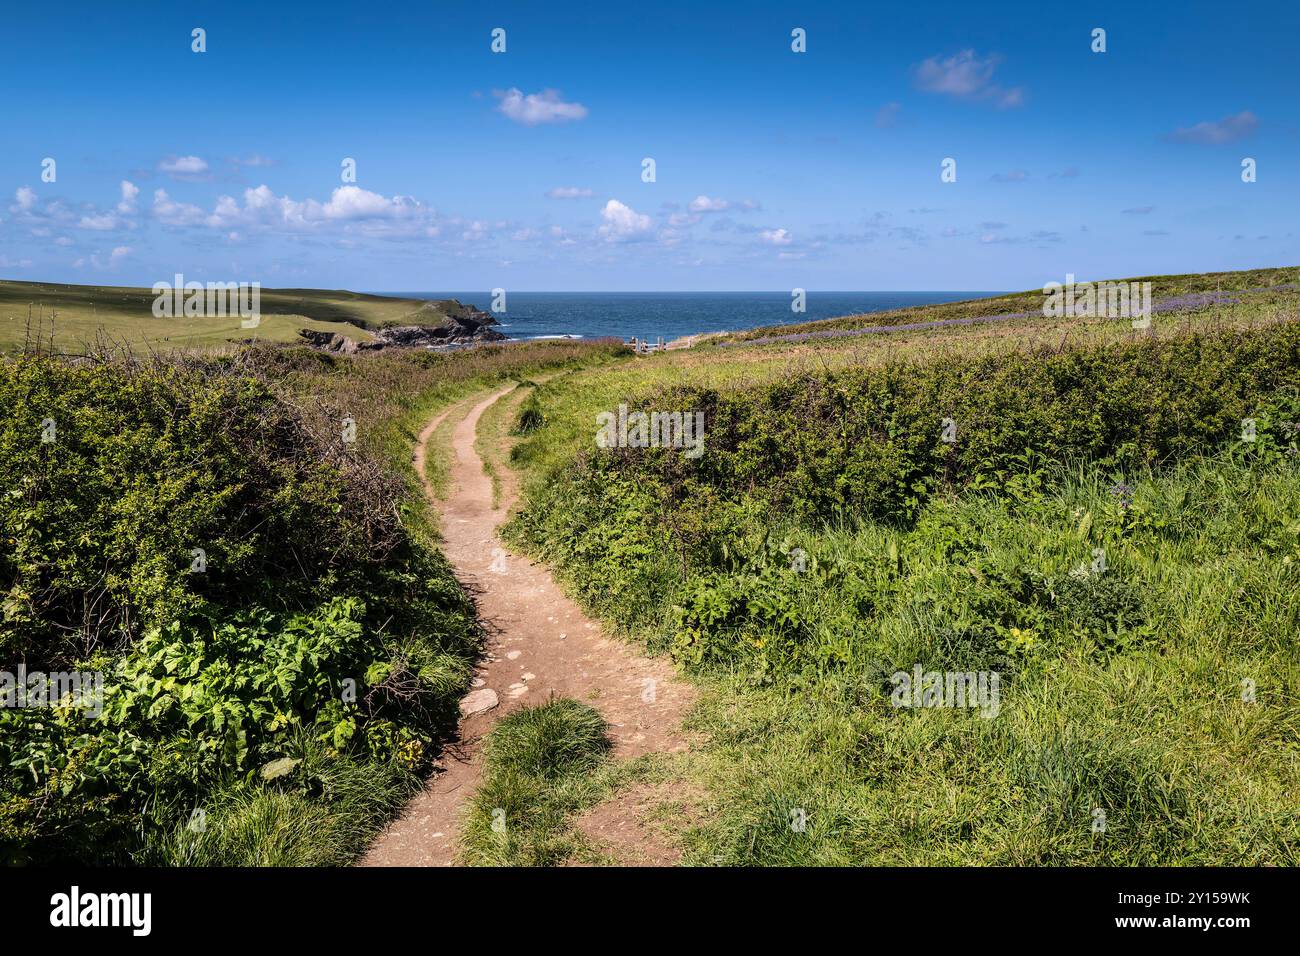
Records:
x=314, y=619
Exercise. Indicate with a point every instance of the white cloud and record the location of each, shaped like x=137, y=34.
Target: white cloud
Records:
x=346, y=205
x=568, y=192
x=353, y=202
x=129, y=193
x=623, y=223
x=534, y=108
x=100, y=223
x=40, y=216
x=172, y=213
x=705, y=204
x=114, y=259
x=7, y=263
x=184, y=167
x=777, y=237
x=966, y=75
x=1226, y=130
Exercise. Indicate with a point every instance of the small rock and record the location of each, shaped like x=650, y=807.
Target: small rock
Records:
x=513, y=655
x=563, y=636
x=476, y=702
x=528, y=675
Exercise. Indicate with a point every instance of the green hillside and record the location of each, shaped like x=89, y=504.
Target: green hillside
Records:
x=73, y=317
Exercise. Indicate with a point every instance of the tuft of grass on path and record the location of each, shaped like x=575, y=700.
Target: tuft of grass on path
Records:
x=540, y=767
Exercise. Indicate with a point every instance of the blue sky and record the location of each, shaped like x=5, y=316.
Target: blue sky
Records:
x=774, y=169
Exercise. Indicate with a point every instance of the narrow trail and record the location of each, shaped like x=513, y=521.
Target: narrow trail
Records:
x=539, y=643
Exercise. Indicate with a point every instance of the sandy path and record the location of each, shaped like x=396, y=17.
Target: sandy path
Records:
x=539, y=643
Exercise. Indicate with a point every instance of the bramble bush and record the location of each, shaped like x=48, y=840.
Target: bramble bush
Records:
x=319, y=624
x=645, y=533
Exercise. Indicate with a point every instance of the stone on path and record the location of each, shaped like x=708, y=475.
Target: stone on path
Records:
x=478, y=701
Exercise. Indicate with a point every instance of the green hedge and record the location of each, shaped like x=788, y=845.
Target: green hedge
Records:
x=869, y=441
x=320, y=629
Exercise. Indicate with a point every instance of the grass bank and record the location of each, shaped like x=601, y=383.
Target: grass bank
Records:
x=1114, y=533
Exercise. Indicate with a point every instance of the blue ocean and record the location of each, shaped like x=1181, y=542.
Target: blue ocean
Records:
x=670, y=315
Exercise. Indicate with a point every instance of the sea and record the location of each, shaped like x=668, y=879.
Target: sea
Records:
x=649, y=316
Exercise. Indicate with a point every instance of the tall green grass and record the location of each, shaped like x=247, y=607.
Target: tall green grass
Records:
x=538, y=769
x=1139, y=608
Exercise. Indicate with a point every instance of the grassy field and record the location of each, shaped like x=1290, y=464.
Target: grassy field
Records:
x=1258, y=287
x=1108, y=545
x=74, y=317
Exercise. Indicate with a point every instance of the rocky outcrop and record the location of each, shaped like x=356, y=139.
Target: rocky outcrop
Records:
x=457, y=326
x=332, y=341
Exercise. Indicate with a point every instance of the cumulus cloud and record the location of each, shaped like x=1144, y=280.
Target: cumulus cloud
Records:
x=1227, y=130
x=353, y=202
x=40, y=216
x=172, y=213
x=706, y=204
x=621, y=223
x=261, y=207
x=102, y=222
x=776, y=237
x=114, y=259
x=184, y=167
x=534, y=108
x=475, y=230
x=568, y=192
x=126, y=206
x=968, y=76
